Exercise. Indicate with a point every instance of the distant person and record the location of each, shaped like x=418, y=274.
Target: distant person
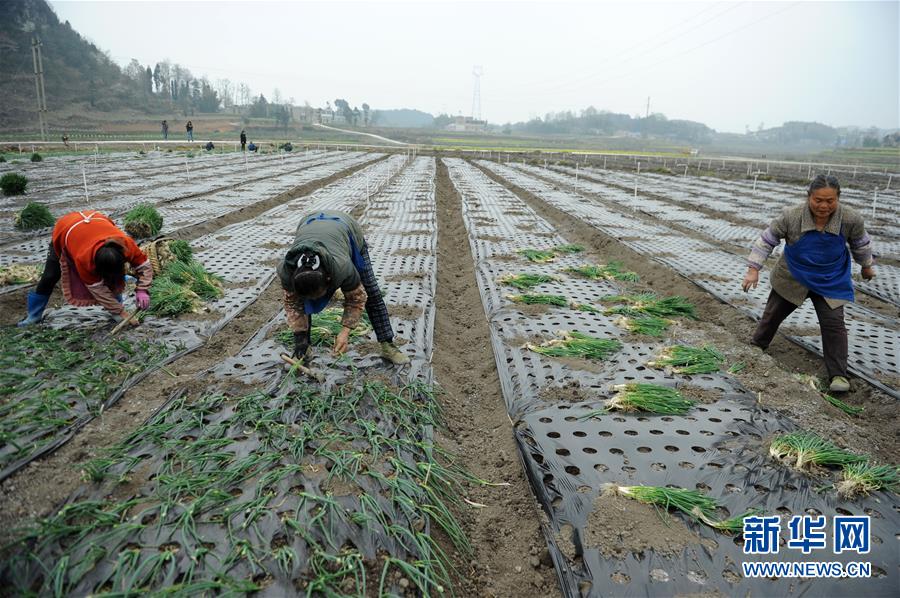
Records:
x=190, y=130
x=65, y=139
x=243, y=140
x=165, y=130
x=252, y=147
x=209, y=146
x=821, y=236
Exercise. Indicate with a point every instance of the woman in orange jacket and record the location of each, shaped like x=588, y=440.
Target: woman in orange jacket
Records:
x=88, y=252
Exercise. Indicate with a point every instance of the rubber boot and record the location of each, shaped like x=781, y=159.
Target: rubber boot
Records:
x=36, y=306
x=390, y=352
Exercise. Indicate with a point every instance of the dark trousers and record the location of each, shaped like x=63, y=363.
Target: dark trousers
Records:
x=831, y=324
x=51, y=275
x=375, y=307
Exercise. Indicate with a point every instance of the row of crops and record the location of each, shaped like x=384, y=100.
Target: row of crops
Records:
x=643, y=449
x=736, y=205
x=612, y=409
x=874, y=356
x=223, y=182
x=41, y=412
x=283, y=487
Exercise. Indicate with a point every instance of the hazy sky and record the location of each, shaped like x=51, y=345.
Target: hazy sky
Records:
x=727, y=64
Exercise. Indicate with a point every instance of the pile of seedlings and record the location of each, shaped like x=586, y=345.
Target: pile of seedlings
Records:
x=302, y=491
x=34, y=216
x=50, y=379
x=143, y=221
x=13, y=183
x=649, y=398
x=526, y=281
x=810, y=453
x=577, y=345
x=19, y=274
x=648, y=314
x=325, y=327
x=36, y=157
x=539, y=256
x=542, y=256
x=181, y=284
x=803, y=450
x=865, y=477
x=685, y=360
x=611, y=271
x=539, y=299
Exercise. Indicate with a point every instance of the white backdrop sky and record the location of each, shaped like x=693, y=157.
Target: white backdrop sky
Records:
x=727, y=64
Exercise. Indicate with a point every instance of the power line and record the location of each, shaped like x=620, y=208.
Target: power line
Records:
x=637, y=70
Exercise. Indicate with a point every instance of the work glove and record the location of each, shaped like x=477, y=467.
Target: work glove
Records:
x=301, y=344
x=142, y=299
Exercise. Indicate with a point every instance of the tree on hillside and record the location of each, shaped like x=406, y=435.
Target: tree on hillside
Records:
x=343, y=108
x=282, y=115
x=148, y=81
x=442, y=120
x=209, y=99
x=225, y=90
x=260, y=107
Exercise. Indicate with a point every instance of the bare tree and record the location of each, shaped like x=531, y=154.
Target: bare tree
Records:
x=224, y=88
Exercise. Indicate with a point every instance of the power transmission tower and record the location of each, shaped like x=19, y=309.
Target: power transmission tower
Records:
x=477, y=71
x=648, y=107
x=39, y=85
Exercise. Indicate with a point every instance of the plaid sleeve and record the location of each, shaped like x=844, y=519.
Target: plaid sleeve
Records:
x=106, y=299
x=354, y=304
x=294, y=313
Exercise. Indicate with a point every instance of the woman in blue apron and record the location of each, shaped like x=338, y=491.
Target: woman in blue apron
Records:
x=821, y=235
x=329, y=253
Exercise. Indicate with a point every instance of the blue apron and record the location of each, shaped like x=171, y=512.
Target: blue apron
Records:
x=314, y=306
x=820, y=261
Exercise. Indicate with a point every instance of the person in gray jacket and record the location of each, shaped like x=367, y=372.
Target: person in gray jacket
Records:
x=820, y=237
x=329, y=253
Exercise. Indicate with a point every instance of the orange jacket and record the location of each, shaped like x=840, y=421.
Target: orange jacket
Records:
x=81, y=234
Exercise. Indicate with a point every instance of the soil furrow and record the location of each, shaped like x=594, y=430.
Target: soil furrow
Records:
x=510, y=558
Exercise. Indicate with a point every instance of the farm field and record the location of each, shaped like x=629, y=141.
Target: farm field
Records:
x=184, y=457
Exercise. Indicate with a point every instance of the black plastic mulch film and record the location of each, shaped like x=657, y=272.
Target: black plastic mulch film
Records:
x=286, y=510
x=719, y=447
x=243, y=254
x=874, y=339
x=226, y=190
x=750, y=206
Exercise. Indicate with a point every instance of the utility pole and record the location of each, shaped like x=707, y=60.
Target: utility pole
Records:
x=39, y=85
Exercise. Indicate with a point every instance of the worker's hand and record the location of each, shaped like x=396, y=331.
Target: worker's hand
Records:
x=342, y=341
x=301, y=345
x=751, y=279
x=868, y=273
x=142, y=299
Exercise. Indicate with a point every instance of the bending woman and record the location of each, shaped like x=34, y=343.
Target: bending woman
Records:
x=88, y=252
x=330, y=253
x=815, y=264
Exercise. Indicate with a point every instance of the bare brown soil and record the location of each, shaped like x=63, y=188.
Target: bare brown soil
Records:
x=505, y=534
x=619, y=526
